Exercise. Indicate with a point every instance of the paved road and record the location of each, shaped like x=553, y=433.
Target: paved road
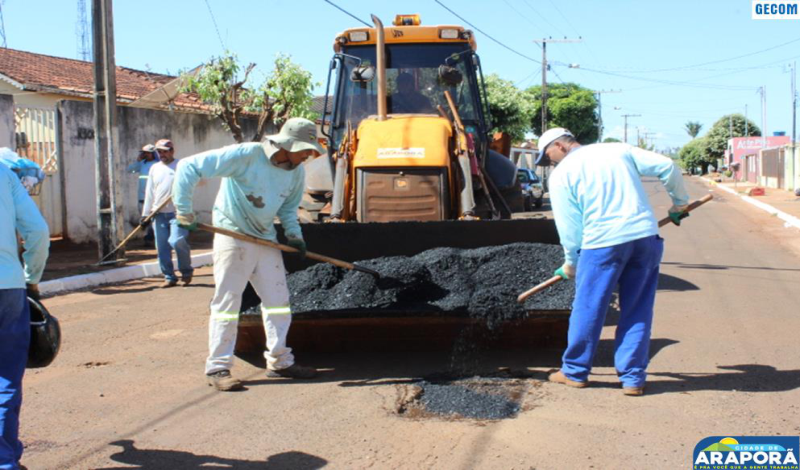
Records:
x=128, y=390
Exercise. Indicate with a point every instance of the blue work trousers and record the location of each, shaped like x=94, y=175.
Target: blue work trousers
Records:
x=170, y=236
x=15, y=336
x=634, y=267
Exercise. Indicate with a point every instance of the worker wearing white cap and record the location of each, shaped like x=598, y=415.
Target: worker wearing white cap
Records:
x=610, y=237
x=260, y=181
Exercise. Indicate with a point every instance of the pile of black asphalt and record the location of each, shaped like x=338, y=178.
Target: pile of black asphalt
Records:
x=481, y=283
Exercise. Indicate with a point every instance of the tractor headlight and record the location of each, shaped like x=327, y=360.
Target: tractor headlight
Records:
x=359, y=36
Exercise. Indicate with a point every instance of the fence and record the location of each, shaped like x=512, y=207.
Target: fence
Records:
x=35, y=132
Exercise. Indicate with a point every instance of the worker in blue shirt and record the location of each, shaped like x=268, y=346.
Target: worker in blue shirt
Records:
x=148, y=157
x=610, y=238
x=18, y=214
x=260, y=181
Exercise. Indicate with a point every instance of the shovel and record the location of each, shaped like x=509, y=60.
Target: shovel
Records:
x=555, y=279
x=288, y=249
x=131, y=235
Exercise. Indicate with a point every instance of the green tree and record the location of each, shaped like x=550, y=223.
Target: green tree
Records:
x=643, y=144
x=720, y=132
x=611, y=140
x=510, y=110
x=284, y=93
x=693, y=128
x=569, y=105
x=693, y=154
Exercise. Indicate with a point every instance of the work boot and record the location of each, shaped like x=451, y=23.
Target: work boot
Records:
x=169, y=283
x=559, y=378
x=223, y=381
x=187, y=280
x=293, y=372
x=633, y=391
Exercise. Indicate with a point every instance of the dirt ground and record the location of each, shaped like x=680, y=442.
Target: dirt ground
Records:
x=128, y=389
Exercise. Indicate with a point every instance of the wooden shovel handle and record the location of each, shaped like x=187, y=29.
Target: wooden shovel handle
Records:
x=279, y=246
x=555, y=279
x=694, y=205
x=540, y=287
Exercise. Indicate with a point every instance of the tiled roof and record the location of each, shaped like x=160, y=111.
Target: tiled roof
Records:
x=38, y=72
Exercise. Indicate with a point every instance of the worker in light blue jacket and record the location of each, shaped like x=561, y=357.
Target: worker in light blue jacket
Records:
x=610, y=238
x=148, y=156
x=18, y=214
x=260, y=181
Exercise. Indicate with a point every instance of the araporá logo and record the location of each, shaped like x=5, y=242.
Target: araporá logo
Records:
x=776, y=10
x=747, y=453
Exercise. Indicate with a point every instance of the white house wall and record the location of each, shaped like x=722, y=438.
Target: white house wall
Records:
x=191, y=134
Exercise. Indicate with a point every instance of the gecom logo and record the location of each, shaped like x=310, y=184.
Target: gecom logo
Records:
x=747, y=453
x=776, y=10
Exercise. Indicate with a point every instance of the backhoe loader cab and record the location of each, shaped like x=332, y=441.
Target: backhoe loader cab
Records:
x=399, y=150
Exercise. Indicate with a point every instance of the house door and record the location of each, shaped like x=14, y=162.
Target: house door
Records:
x=36, y=140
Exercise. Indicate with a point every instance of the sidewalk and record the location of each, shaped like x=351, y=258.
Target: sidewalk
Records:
x=71, y=267
x=780, y=202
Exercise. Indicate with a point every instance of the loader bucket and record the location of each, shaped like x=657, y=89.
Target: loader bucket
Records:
x=407, y=329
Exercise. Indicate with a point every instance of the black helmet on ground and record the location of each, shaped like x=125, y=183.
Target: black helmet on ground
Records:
x=45, y=336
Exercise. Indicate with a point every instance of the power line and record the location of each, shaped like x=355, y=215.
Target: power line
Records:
x=484, y=33
x=716, y=61
x=693, y=84
x=348, y=13
x=214, y=20
x=544, y=18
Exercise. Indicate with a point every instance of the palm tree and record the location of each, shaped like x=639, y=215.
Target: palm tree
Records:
x=693, y=128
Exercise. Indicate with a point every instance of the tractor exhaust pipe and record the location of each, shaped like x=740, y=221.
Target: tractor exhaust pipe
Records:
x=381, y=59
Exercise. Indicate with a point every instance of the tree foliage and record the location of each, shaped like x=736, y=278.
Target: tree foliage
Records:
x=611, y=140
x=569, y=105
x=693, y=154
x=284, y=93
x=510, y=110
x=720, y=132
x=693, y=128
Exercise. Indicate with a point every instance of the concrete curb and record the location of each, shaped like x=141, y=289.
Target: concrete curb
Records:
x=138, y=271
x=789, y=219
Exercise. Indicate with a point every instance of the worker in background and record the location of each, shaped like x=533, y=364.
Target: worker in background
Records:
x=18, y=214
x=259, y=182
x=146, y=159
x=169, y=235
x=408, y=100
x=610, y=238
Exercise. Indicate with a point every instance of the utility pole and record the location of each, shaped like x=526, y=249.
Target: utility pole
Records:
x=544, y=42
x=82, y=33
x=647, y=137
x=746, y=124
x=794, y=104
x=108, y=169
x=599, y=94
x=763, y=91
x=626, y=116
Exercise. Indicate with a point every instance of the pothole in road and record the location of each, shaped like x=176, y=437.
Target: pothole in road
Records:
x=482, y=398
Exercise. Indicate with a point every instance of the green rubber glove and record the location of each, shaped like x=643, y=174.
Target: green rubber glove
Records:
x=677, y=213
x=187, y=221
x=567, y=271
x=299, y=245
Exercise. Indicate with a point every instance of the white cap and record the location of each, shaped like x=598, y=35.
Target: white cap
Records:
x=548, y=138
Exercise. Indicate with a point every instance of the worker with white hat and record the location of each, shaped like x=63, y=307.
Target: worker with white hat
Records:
x=610, y=237
x=260, y=181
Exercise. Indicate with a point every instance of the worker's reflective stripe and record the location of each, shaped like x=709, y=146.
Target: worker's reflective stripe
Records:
x=225, y=316
x=143, y=177
x=276, y=310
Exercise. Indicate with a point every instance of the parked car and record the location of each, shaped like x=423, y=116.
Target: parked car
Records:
x=532, y=189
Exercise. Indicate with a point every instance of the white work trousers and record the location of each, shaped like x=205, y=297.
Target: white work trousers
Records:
x=235, y=263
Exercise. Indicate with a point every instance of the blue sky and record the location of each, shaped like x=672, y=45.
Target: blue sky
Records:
x=621, y=39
